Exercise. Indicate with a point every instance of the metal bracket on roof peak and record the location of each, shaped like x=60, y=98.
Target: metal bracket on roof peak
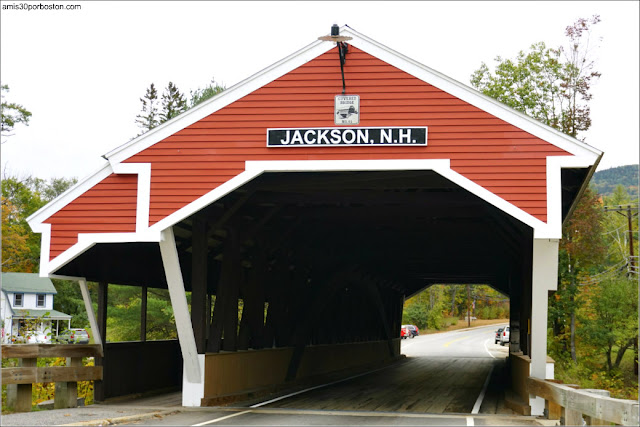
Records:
x=343, y=49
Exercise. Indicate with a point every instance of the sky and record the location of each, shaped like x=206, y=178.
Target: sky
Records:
x=82, y=72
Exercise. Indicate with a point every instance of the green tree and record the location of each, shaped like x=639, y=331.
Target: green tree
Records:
x=202, y=94
x=551, y=85
x=21, y=197
x=582, y=251
x=12, y=114
x=610, y=318
x=149, y=117
x=173, y=103
x=15, y=250
x=124, y=310
x=69, y=300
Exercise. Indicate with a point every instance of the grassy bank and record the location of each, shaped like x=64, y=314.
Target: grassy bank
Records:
x=452, y=324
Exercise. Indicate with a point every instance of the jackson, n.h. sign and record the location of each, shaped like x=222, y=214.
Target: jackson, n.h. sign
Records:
x=361, y=136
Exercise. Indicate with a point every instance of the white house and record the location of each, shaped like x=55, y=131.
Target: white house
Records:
x=27, y=309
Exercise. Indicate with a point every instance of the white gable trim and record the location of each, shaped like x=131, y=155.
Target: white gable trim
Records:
x=555, y=164
x=143, y=170
x=253, y=169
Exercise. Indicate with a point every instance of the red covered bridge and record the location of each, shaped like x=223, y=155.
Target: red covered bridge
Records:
x=265, y=194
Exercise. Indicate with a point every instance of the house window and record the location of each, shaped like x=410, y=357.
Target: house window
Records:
x=17, y=300
x=40, y=300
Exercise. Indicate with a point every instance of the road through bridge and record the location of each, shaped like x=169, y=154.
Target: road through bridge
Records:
x=452, y=378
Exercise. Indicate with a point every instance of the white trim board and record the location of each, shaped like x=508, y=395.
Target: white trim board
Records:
x=253, y=169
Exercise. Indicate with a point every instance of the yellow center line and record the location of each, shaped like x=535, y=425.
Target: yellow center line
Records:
x=458, y=339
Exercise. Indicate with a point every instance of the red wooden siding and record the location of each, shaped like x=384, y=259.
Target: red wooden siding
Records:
x=504, y=159
x=496, y=155
x=108, y=207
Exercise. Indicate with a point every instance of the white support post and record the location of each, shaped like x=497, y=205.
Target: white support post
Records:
x=90, y=314
x=193, y=379
x=544, y=279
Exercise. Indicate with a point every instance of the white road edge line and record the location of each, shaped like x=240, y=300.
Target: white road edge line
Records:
x=470, y=421
x=406, y=346
x=221, y=418
x=485, y=347
x=476, y=407
x=316, y=387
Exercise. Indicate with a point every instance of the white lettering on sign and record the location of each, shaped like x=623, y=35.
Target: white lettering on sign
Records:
x=312, y=137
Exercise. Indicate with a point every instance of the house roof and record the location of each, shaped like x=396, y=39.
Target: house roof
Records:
x=27, y=283
x=44, y=314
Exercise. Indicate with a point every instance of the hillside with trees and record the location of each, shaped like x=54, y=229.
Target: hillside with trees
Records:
x=605, y=181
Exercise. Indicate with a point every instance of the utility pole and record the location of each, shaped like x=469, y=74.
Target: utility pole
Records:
x=628, y=212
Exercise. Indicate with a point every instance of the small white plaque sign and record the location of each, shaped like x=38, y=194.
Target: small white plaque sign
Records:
x=347, y=111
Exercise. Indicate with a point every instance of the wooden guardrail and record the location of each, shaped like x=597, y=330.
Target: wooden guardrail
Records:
x=569, y=405
x=65, y=378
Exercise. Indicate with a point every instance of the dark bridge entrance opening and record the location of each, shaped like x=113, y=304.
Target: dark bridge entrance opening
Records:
x=322, y=263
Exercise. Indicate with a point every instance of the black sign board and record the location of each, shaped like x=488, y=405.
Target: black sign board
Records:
x=316, y=137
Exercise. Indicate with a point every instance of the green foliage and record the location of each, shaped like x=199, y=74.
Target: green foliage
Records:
x=605, y=182
x=616, y=228
x=609, y=318
x=21, y=197
x=173, y=103
x=12, y=114
x=200, y=95
x=429, y=308
x=124, y=304
x=549, y=84
x=594, y=313
x=582, y=250
x=149, y=118
x=69, y=300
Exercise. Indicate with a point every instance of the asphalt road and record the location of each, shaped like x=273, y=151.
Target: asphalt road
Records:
x=445, y=380
x=464, y=343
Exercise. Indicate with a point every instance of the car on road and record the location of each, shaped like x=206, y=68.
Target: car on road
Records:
x=405, y=332
x=504, y=338
x=498, y=335
x=74, y=336
x=413, y=329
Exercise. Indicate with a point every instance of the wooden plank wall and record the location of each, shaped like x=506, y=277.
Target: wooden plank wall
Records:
x=108, y=207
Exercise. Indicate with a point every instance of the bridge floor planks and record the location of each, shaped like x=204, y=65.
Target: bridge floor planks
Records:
x=420, y=385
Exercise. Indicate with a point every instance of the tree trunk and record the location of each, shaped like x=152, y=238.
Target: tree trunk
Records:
x=573, y=336
x=621, y=352
x=609, y=365
x=454, y=290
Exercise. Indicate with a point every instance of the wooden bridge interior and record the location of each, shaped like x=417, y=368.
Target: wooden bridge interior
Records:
x=326, y=258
